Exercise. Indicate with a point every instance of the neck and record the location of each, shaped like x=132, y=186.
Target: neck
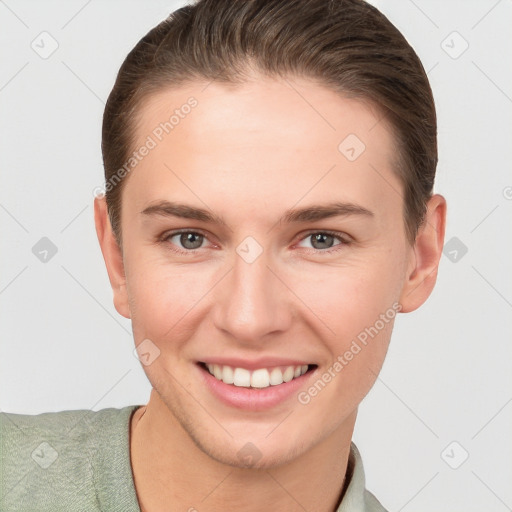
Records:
x=172, y=473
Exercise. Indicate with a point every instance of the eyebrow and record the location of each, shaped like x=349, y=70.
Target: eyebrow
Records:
x=307, y=214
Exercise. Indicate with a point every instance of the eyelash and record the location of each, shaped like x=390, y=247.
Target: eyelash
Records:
x=342, y=238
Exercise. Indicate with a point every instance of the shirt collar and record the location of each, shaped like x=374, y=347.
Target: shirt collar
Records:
x=115, y=490
x=356, y=497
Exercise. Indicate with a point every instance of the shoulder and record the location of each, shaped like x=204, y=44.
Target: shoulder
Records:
x=60, y=458
x=62, y=421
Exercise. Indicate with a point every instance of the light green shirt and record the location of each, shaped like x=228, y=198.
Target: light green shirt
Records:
x=80, y=461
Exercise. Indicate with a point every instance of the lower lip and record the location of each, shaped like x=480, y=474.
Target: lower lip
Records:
x=253, y=399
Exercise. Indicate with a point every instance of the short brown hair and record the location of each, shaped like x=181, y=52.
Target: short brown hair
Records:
x=345, y=45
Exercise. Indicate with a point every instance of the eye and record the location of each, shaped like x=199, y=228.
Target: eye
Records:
x=322, y=240
x=188, y=240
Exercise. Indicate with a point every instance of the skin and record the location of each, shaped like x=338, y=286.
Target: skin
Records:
x=249, y=154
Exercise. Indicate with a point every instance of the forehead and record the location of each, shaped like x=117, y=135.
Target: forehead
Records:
x=293, y=107
x=265, y=142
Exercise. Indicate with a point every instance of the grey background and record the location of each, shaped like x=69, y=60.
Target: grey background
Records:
x=448, y=375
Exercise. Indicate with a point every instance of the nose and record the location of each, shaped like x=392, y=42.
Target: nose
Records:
x=252, y=303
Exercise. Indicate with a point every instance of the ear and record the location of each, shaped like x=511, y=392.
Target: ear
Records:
x=112, y=255
x=427, y=250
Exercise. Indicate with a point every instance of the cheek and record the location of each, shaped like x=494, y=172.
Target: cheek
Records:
x=167, y=302
x=360, y=307
x=350, y=298
x=163, y=297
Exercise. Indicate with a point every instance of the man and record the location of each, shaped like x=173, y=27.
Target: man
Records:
x=268, y=211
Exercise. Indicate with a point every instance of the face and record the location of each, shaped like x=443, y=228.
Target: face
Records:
x=263, y=232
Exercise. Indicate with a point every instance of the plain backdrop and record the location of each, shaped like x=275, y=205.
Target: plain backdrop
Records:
x=435, y=430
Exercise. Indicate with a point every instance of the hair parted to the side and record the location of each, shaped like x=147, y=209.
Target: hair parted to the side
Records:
x=345, y=45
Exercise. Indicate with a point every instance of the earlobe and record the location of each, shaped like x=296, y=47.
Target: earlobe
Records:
x=428, y=247
x=112, y=255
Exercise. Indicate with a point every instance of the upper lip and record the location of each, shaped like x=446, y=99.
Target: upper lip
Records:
x=254, y=364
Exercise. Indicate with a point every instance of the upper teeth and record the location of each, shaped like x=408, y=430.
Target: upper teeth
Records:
x=260, y=378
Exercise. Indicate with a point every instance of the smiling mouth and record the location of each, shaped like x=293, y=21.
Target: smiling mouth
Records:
x=259, y=378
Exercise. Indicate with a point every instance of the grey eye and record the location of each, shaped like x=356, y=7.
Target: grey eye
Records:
x=320, y=241
x=189, y=240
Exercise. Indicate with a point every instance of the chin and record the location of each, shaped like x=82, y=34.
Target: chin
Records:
x=252, y=455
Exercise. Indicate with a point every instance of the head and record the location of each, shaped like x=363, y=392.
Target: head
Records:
x=269, y=175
